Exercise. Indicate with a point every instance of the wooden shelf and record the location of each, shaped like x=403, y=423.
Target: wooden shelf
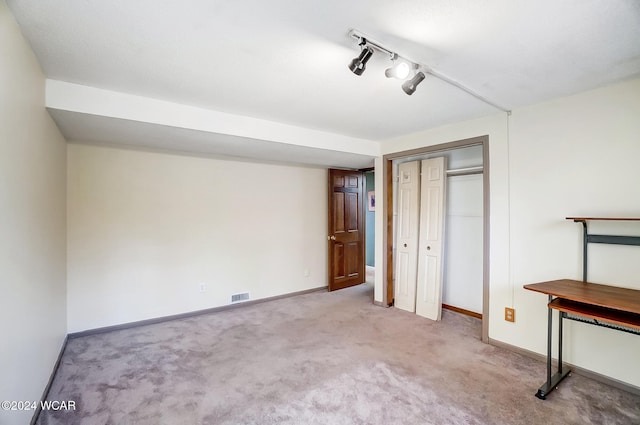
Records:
x=599, y=314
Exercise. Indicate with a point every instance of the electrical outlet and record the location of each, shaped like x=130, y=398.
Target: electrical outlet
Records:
x=203, y=287
x=509, y=314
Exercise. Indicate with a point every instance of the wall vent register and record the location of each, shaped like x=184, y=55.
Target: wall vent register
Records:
x=244, y=296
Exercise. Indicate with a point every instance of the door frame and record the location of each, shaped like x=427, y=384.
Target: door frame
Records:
x=387, y=170
x=365, y=203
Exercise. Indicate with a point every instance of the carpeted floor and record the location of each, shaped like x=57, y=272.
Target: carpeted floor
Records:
x=321, y=358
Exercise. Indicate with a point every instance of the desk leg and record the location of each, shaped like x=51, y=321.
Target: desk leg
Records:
x=560, y=341
x=552, y=381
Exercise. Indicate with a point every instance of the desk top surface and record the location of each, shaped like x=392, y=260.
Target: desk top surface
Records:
x=591, y=293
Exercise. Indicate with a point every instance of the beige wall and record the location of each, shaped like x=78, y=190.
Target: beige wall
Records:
x=145, y=229
x=32, y=219
x=573, y=156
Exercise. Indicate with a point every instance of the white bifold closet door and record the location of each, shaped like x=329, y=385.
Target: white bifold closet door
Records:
x=419, y=237
x=431, y=244
x=408, y=205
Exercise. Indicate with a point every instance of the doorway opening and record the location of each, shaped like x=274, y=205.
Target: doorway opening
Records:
x=468, y=173
x=370, y=218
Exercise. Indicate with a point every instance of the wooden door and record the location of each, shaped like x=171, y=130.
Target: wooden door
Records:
x=408, y=212
x=431, y=245
x=346, y=229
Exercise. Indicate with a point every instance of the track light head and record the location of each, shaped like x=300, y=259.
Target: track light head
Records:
x=400, y=70
x=409, y=86
x=357, y=65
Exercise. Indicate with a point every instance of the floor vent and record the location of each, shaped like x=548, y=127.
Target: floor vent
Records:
x=239, y=297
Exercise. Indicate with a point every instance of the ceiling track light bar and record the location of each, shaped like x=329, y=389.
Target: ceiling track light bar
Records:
x=464, y=88
x=372, y=43
x=365, y=40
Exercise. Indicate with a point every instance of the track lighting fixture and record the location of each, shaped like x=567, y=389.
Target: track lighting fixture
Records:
x=409, y=86
x=399, y=70
x=357, y=65
x=402, y=68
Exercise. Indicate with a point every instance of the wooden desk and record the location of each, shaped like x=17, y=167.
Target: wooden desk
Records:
x=601, y=305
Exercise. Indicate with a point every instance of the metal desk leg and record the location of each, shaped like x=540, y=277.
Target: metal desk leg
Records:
x=552, y=381
x=560, y=317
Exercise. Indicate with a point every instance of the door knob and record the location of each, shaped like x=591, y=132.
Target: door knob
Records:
x=428, y=248
x=332, y=238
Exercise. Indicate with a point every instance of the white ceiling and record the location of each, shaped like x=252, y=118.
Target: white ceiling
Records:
x=286, y=61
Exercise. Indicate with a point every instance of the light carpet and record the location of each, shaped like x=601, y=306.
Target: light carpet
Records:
x=320, y=358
